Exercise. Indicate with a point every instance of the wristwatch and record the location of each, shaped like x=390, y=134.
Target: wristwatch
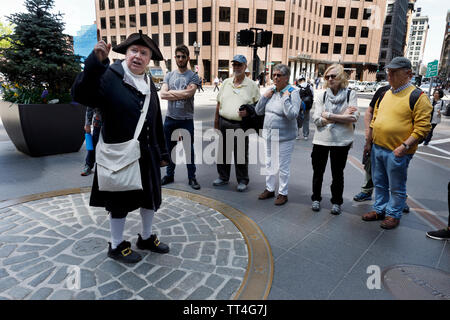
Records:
x=406, y=146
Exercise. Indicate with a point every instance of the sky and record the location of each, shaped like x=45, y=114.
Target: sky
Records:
x=82, y=12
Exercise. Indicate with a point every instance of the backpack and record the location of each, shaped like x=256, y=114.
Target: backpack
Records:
x=307, y=96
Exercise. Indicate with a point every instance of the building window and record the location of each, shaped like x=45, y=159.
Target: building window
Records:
x=296, y=43
x=362, y=49
x=101, y=4
x=142, y=2
x=388, y=20
x=167, y=39
x=143, y=19
x=224, y=38
x=277, y=40
x=354, y=13
x=155, y=37
x=386, y=31
x=324, y=47
x=111, y=4
x=292, y=19
x=179, y=17
x=193, y=15
x=291, y=39
x=367, y=13
x=383, y=55
x=364, y=32
x=298, y=22
x=113, y=41
x=327, y=12
x=304, y=24
x=132, y=21
x=278, y=17
x=206, y=38
x=112, y=22
x=122, y=22
x=224, y=14
x=261, y=16
x=179, y=38
x=337, y=48
x=341, y=13
x=326, y=30
x=153, y=1
x=385, y=43
x=105, y=38
x=131, y=3
x=192, y=38
x=155, y=19
x=206, y=14
x=123, y=38
x=166, y=17
x=243, y=15
x=350, y=48
x=121, y=3
x=103, y=23
x=339, y=32
x=352, y=31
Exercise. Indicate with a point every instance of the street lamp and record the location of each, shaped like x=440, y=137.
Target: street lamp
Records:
x=197, y=47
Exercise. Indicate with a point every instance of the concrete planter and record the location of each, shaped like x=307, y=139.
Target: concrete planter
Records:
x=44, y=129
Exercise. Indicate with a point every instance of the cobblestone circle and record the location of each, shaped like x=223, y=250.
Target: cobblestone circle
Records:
x=55, y=249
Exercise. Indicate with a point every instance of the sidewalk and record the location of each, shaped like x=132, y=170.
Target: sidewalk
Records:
x=224, y=244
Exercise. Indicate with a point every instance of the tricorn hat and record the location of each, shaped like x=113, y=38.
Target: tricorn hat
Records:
x=143, y=40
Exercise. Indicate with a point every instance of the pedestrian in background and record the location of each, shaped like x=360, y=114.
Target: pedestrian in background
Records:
x=281, y=106
x=216, y=84
x=307, y=96
x=179, y=88
x=336, y=111
x=395, y=129
x=119, y=91
x=235, y=92
x=93, y=118
x=438, y=108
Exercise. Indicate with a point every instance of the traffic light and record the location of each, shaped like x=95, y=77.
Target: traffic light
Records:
x=263, y=38
x=245, y=38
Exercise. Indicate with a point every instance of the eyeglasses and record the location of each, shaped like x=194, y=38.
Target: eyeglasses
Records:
x=330, y=76
x=236, y=64
x=181, y=57
x=274, y=75
x=392, y=71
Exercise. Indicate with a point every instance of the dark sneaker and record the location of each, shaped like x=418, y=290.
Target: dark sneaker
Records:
x=406, y=208
x=389, y=223
x=86, y=171
x=362, y=196
x=123, y=253
x=266, y=195
x=166, y=180
x=443, y=234
x=315, y=206
x=281, y=199
x=194, y=184
x=152, y=244
x=336, y=209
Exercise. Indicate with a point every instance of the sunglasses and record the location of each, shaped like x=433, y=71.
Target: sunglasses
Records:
x=330, y=76
x=274, y=75
x=237, y=64
x=181, y=57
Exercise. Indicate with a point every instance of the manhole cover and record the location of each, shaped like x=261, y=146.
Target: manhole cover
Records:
x=412, y=282
x=89, y=246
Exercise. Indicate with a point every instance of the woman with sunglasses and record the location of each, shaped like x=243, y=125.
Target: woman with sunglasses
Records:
x=438, y=107
x=335, y=112
x=280, y=105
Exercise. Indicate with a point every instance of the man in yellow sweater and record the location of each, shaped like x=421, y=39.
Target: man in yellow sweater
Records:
x=395, y=130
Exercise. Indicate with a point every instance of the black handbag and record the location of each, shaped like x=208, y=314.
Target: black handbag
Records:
x=252, y=120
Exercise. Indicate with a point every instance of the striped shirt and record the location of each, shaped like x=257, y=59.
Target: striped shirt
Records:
x=403, y=87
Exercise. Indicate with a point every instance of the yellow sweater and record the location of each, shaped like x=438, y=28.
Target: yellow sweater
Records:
x=393, y=121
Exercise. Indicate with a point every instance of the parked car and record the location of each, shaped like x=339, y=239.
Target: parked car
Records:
x=351, y=84
x=425, y=87
x=370, y=86
x=381, y=84
x=157, y=75
x=360, y=86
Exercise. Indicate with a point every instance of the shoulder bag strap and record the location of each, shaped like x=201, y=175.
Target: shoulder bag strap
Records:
x=144, y=110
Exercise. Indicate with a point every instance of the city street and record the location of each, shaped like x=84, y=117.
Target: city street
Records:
x=309, y=255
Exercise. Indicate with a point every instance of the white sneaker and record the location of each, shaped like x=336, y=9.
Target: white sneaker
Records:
x=297, y=138
x=306, y=138
x=315, y=206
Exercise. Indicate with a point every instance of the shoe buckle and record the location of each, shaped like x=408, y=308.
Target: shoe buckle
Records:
x=126, y=252
x=157, y=242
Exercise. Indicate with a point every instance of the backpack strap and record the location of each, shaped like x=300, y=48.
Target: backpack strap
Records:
x=413, y=97
x=348, y=95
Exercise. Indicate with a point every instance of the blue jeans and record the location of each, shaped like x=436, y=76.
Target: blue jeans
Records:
x=389, y=175
x=90, y=157
x=170, y=125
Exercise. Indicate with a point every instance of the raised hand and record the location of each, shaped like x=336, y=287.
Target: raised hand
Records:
x=101, y=50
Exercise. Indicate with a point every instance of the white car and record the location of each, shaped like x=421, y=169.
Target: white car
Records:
x=360, y=86
x=381, y=84
x=425, y=87
x=371, y=87
x=351, y=84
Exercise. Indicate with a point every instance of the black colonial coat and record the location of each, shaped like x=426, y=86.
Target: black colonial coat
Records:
x=101, y=86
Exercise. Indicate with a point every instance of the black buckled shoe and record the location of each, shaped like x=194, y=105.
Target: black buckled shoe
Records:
x=152, y=244
x=123, y=253
x=166, y=180
x=194, y=184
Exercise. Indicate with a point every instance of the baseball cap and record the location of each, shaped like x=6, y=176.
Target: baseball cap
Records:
x=399, y=63
x=302, y=77
x=239, y=58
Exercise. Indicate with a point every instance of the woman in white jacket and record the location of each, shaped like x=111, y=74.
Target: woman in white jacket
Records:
x=280, y=105
x=335, y=112
x=438, y=107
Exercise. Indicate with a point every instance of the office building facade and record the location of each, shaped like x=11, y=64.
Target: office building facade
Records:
x=417, y=40
x=308, y=35
x=444, y=62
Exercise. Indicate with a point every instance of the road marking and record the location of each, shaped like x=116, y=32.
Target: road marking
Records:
x=433, y=155
x=439, y=149
x=424, y=213
x=433, y=142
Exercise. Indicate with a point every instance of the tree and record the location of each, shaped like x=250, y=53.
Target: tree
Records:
x=40, y=54
x=5, y=31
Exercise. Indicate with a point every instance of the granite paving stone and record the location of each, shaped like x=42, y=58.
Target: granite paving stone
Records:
x=222, y=257
x=158, y=274
x=43, y=240
x=87, y=279
x=191, y=251
x=102, y=277
x=177, y=294
x=144, y=268
x=66, y=259
x=20, y=266
x=113, y=267
x=230, y=287
x=6, y=250
x=62, y=295
x=58, y=248
x=230, y=272
x=152, y=293
x=214, y=281
x=28, y=248
x=34, y=270
x=169, y=280
x=197, y=266
x=41, y=278
x=42, y=294
x=190, y=281
x=21, y=258
x=201, y=293
x=109, y=287
x=132, y=281
x=59, y=276
x=3, y=273
x=7, y=283
x=119, y=295
x=19, y=293
x=85, y=295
